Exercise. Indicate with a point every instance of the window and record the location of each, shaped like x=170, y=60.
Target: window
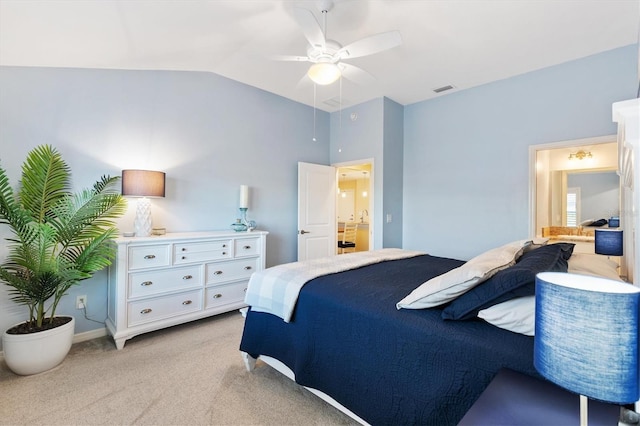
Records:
x=573, y=206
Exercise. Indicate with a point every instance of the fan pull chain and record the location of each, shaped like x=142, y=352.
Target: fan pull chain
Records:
x=314, y=112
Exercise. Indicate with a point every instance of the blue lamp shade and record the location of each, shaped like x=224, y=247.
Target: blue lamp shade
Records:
x=609, y=242
x=586, y=335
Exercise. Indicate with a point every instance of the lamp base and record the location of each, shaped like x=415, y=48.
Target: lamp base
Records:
x=142, y=222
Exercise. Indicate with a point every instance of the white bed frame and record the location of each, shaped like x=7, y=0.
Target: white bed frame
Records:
x=250, y=363
x=627, y=115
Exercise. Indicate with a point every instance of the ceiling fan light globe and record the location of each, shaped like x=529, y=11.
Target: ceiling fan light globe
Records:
x=324, y=73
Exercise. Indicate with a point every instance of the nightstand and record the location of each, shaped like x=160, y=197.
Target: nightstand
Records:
x=516, y=399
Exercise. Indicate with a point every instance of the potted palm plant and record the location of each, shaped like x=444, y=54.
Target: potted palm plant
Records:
x=58, y=239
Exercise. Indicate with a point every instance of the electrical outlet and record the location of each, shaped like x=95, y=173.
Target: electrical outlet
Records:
x=81, y=301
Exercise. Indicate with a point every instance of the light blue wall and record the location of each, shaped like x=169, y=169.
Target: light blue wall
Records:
x=208, y=133
x=466, y=154
x=392, y=180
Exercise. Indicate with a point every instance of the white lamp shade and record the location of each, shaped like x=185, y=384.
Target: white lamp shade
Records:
x=324, y=73
x=586, y=335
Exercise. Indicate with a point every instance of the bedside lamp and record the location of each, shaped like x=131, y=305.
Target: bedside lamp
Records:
x=586, y=337
x=609, y=242
x=143, y=183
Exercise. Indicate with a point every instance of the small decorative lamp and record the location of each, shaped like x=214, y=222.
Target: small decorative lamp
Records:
x=143, y=183
x=586, y=337
x=609, y=242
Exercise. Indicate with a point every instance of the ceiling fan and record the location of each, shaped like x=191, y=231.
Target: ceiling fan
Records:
x=327, y=56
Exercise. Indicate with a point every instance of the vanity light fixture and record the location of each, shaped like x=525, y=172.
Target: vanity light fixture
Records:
x=580, y=155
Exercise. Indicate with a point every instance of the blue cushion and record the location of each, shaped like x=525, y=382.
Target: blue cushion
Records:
x=516, y=281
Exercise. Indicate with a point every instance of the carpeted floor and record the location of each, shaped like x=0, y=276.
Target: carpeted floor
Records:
x=190, y=374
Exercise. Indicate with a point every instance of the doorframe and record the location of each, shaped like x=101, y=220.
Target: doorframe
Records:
x=371, y=195
x=533, y=150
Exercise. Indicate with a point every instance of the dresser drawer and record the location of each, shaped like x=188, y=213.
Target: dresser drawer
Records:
x=151, y=256
x=202, y=251
x=148, y=283
x=143, y=311
x=225, y=294
x=221, y=272
x=246, y=247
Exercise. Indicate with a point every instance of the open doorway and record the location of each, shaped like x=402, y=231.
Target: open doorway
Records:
x=355, y=201
x=572, y=184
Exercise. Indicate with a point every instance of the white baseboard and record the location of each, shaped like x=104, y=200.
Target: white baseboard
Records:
x=81, y=337
x=91, y=334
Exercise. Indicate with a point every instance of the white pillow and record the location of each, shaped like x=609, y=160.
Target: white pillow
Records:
x=446, y=287
x=593, y=264
x=517, y=315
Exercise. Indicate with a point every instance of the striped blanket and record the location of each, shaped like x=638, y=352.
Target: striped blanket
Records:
x=275, y=290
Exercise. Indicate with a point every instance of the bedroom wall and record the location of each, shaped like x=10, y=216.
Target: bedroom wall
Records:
x=466, y=185
x=208, y=133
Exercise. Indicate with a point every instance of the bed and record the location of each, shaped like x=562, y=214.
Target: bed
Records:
x=349, y=340
x=372, y=343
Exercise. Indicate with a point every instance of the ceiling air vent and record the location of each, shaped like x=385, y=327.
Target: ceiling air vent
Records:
x=443, y=88
x=335, y=102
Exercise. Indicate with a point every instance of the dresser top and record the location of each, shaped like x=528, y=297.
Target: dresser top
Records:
x=198, y=235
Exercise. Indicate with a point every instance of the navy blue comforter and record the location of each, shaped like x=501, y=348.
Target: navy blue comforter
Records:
x=388, y=366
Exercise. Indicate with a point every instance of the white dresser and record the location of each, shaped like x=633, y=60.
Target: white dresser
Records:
x=160, y=281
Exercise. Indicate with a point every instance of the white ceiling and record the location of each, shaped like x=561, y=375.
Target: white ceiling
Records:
x=463, y=43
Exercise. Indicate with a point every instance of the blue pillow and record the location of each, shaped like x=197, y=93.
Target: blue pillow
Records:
x=516, y=281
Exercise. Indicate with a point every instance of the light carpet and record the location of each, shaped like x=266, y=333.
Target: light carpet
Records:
x=190, y=374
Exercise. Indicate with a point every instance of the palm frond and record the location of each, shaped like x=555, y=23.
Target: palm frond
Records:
x=46, y=178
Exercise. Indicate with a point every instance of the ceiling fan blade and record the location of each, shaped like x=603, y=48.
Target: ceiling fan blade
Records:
x=290, y=58
x=310, y=27
x=370, y=45
x=304, y=82
x=355, y=74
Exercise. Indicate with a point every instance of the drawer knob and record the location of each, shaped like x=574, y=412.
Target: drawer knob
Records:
x=187, y=277
x=247, y=268
x=224, y=253
x=224, y=246
x=187, y=302
x=217, y=273
x=150, y=256
x=184, y=249
x=217, y=296
x=146, y=283
x=145, y=311
x=247, y=247
x=184, y=257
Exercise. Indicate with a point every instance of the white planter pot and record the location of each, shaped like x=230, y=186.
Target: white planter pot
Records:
x=34, y=353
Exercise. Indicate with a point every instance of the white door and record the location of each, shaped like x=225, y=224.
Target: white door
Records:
x=316, y=211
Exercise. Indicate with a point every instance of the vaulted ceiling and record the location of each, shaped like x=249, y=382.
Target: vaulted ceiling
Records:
x=462, y=43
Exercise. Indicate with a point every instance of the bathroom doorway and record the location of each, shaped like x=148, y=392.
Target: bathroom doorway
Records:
x=354, y=202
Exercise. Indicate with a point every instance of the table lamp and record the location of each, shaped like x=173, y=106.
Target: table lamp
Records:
x=586, y=337
x=143, y=183
x=609, y=242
